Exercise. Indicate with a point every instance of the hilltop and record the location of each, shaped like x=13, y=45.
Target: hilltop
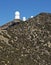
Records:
x=26, y=43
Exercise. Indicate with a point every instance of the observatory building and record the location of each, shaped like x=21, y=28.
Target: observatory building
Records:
x=17, y=15
x=31, y=16
x=24, y=18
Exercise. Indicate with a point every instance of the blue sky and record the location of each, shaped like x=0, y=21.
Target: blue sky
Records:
x=27, y=8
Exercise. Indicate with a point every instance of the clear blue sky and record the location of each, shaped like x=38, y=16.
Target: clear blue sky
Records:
x=26, y=8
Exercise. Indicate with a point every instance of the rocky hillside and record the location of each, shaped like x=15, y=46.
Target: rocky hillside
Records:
x=26, y=43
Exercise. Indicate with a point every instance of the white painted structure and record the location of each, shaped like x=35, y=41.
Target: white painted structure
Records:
x=24, y=18
x=17, y=15
x=31, y=16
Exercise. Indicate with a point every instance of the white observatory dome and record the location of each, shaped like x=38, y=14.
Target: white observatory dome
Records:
x=31, y=16
x=17, y=15
x=24, y=18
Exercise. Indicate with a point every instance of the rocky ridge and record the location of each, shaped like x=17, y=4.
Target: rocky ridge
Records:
x=26, y=43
